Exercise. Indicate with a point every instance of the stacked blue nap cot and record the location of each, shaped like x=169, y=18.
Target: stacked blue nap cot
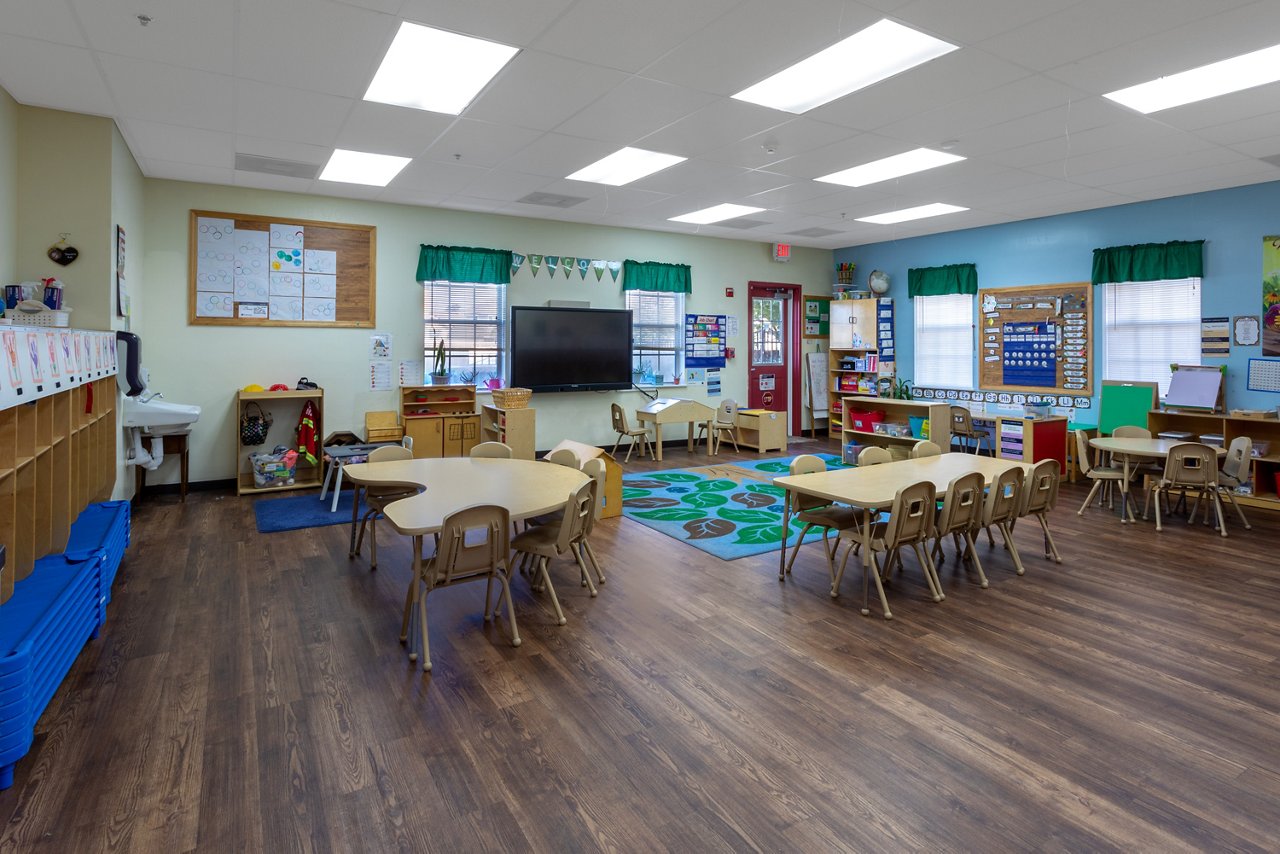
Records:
x=51, y=615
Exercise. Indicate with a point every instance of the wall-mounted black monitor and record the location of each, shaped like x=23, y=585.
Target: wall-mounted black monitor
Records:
x=570, y=349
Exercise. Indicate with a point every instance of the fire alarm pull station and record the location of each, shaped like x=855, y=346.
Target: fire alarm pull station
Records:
x=728, y=292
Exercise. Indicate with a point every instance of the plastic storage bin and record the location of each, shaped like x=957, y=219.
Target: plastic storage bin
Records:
x=863, y=420
x=274, y=469
x=919, y=426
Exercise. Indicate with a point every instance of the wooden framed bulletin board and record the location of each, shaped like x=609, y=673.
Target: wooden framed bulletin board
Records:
x=249, y=270
x=1036, y=338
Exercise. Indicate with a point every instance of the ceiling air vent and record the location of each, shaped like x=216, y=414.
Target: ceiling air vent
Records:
x=1274, y=159
x=552, y=200
x=741, y=222
x=276, y=166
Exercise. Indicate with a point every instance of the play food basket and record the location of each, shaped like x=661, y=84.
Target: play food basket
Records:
x=511, y=398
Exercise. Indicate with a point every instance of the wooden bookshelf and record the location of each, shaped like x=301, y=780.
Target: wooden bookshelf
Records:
x=441, y=419
x=1266, y=467
x=513, y=427
x=285, y=408
x=853, y=360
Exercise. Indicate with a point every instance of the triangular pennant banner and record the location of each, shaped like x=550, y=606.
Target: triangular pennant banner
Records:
x=583, y=264
x=615, y=267
x=516, y=261
x=568, y=263
x=535, y=264
x=553, y=261
x=599, y=268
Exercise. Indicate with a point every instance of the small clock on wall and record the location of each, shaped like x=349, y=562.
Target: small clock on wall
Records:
x=878, y=282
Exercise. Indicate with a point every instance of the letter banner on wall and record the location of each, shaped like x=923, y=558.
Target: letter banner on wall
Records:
x=704, y=338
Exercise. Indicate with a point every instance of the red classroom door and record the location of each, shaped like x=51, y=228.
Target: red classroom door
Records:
x=774, y=341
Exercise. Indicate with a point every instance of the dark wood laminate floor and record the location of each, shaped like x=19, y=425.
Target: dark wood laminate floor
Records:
x=249, y=694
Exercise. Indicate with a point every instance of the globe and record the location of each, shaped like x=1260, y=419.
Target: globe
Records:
x=878, y=282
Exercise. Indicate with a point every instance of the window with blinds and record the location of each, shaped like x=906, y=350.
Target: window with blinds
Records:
x=1148, y=326
x=469, y=319
x=944, y=347
x=657, y=328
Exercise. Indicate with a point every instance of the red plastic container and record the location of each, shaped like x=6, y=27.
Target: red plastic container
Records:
x=864, y=420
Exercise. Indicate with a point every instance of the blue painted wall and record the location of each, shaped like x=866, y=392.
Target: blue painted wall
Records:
x=1060, y=249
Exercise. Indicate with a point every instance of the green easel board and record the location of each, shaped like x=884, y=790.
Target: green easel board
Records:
x=1125, y=403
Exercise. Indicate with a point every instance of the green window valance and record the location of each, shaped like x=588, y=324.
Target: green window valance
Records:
x=1149, y=262
x=936, y=281
x=464, y=264
x=654, y=276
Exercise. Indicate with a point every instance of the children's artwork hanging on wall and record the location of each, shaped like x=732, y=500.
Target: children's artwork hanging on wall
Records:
x=250, y=270
x=1271, y=295
x=1036, y=338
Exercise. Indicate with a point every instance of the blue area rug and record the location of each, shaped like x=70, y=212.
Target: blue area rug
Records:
x=301, y=511
x=730, y=511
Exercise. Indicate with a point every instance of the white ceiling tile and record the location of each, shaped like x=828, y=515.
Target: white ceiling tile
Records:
x=517, y=24
x=779, y=143
x=77, y=86
x=480, y=143
x=348, y=191
x=1234, y=174
x=186, y=172
x=557, y=156
x=639, y=33
x=387, y=7
x=466, y=203
x=539, y=91
x=47, y=20
x=784, y=197
x=192, y=33
x=1224, y=110
x=388, y=129
x=169, y=94
x=958, y=23
x=1254, y=127
x=290, y=114
x=688, y=176
x=155, y=141
x=721, y=123
x=443, y=178
x=1268, y=146
x=634, y=109
x=315, y=45
x=1153, y=167
x=299, y=152
x=404, y=196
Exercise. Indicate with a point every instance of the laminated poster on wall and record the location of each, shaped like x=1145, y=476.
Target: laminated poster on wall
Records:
x=411, y=372
x=379, y=375
x=713, y=382
x=380, y=346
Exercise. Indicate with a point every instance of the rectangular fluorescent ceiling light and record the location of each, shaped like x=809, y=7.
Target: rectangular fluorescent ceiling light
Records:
x=430, y=69
x=864, y=58
x=1207, y=81
x=706, y=216
x=625, y=165
x=921, y=212
x=890, y=167
x=357, y=167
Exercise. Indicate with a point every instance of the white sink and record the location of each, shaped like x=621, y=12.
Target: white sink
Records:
x=158, y=416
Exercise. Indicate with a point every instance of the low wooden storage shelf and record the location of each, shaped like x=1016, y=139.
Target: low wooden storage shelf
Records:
x=762, y=430
x=512, y=427
x=1266, y=467
x=285, y=408
x=938, y=414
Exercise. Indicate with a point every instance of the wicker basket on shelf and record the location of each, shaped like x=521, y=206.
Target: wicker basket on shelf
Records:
x=511, y=398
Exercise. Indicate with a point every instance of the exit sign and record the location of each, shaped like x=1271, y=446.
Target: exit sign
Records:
x=782, y=251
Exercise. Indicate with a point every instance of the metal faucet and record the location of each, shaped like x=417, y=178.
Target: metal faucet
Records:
x=147, y=398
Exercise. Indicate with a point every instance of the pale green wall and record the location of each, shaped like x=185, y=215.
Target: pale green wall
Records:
x=8, y=188
x=64, y=185
x=205, y=365
x=126, y=210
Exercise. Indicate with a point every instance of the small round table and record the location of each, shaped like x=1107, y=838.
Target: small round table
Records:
x=1127, y=450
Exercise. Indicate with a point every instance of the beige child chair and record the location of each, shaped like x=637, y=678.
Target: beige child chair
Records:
x=874, y=455
x=378, y=497
x=593, y=468
x=625, y=431
x=1189, y=466
x=819, y=513
x=910, y=523
x=724, y=424
x=1041, y=497
x=473, y=546
x=1236, y=472
x=562, y=457
x=925, y=449
x=962, y=427
x=491, y=451
x=1098, y=474
x=960, y=517
x=1005, y=501
x=538, y=545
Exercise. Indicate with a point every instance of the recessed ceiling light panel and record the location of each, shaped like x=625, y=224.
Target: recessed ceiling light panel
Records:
x=706, y=216
x=896, y=166
x=359, y=167
x=1207, y=81
x=864, y=58
x=906, y=214
x=624, y=166
x=430, y=69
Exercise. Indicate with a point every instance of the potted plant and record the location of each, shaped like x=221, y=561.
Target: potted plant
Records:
x=439, y=374
x=640, y=372
x=900, y=389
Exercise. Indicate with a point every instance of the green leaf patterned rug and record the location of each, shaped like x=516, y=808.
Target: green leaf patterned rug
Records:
x=730, y=511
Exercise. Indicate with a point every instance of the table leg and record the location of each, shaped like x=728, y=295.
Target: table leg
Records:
x=355, y=517
x=786, y=526
x=328, y=476
x=337, y=490
x=657, y=439
x=414, y=630
x=691, y=440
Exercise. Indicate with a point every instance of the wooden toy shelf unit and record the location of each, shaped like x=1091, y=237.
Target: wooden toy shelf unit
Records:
x=285, y=408
x=441, y=419
x=853, y=361
x=271, y=271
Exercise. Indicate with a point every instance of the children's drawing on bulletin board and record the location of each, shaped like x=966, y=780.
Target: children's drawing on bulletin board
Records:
x=1271, y=295
x=817, y=316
